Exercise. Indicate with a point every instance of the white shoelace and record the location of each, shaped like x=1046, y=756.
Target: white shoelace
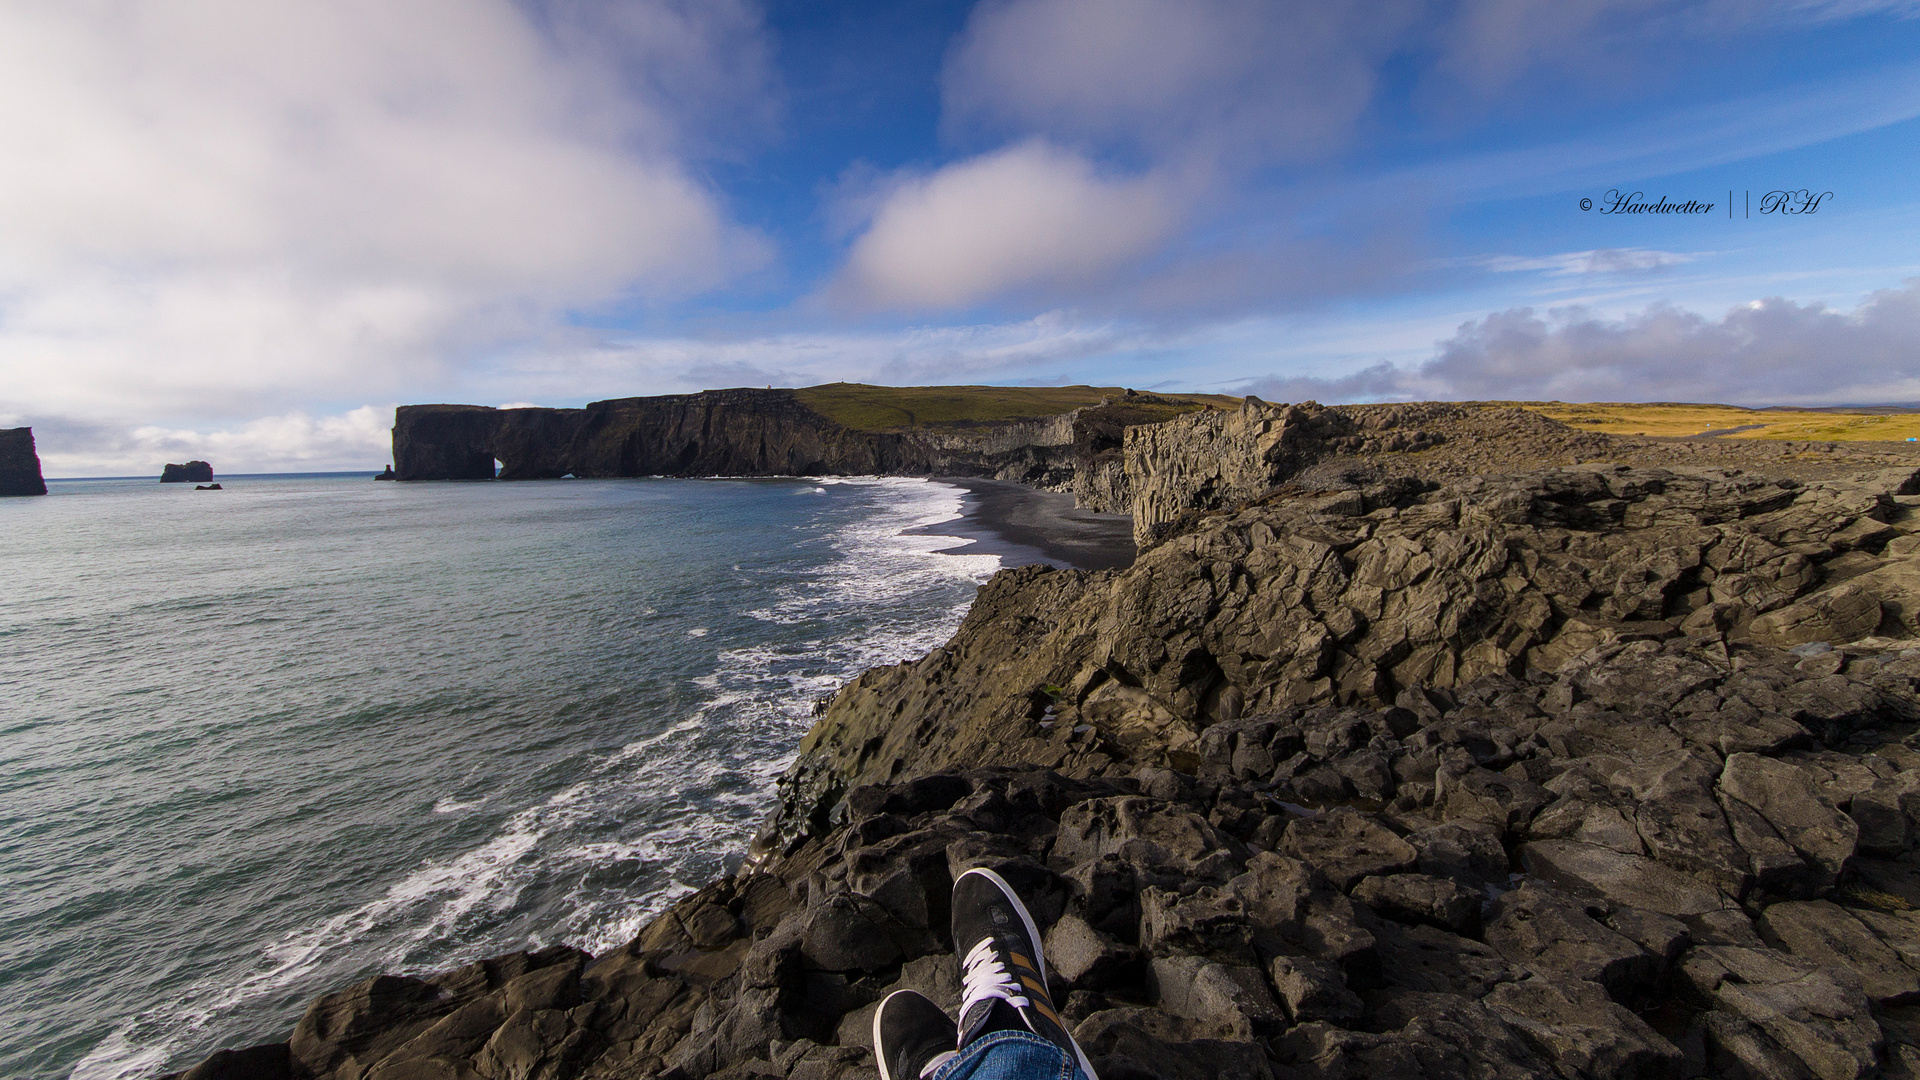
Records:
x=986, y=978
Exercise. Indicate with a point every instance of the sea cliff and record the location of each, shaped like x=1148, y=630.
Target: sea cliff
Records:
x=193, y=472
x=19, y=463
x=1386, y=758
x=746, y=432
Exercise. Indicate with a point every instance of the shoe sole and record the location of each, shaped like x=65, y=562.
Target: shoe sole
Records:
x=1039, y=958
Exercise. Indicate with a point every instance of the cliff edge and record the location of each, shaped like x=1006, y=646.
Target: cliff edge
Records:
x=20, y=463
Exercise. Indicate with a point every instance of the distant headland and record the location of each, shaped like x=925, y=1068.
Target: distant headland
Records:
x=20, y=463
x=1054, y=438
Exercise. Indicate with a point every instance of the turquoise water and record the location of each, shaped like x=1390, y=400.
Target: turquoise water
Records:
x=259, y=743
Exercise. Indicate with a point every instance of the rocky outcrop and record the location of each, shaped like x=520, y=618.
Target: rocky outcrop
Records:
x=193, y=472
x=1584, y=773
x=1487, y=882
x=19, y=463
x=1217, y=458
x=1355, y=596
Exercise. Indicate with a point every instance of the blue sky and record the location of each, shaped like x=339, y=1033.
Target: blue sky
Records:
x=244, y=231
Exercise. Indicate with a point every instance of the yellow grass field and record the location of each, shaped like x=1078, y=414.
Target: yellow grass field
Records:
x=1680, y=420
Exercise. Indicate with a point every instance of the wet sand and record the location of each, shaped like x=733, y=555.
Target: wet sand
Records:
x=1025, y=526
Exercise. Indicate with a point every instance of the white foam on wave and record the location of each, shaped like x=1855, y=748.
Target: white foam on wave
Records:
x=761, y=693
x=426, y=906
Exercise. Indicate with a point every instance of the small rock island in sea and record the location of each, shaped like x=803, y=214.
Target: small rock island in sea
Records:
x=19, y=463
x=193, y=472
x=1421, y=740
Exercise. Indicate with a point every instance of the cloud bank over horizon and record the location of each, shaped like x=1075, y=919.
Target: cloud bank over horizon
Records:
x=1766, y=352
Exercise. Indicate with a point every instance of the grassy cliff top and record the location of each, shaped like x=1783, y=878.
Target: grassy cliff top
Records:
x=884, y=408
x=1864, y=424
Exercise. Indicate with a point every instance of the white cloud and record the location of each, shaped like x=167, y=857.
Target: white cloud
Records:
x=1029, y=215
x=1575, y=263
x=293, y=442
x=213, y=206
x=1245, y=78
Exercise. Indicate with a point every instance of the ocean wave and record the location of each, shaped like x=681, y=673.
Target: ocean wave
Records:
x=697, y=787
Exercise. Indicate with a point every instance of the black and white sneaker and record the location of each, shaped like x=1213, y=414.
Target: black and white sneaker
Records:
x=1003, y=971
x=911, y=1036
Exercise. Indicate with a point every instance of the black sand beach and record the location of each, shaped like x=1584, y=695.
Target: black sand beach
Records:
x=1024, y=526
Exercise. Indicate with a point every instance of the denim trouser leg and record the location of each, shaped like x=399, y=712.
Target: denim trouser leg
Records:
x=1010, y=1055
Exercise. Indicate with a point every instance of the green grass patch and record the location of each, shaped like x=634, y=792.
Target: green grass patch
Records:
x=894, y=408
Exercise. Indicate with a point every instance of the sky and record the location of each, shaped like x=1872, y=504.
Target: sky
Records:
x=244, y=230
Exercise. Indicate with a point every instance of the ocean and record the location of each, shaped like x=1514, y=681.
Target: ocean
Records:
x=261, y=743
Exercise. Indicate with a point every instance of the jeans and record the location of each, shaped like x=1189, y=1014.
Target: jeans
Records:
x=1011, y=1055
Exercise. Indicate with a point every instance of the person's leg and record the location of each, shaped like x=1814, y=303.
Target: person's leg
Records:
x=1010, y=1055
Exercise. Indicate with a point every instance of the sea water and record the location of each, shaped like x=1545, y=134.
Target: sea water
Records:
x=261, y=743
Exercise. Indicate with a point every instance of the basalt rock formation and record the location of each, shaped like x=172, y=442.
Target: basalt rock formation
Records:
x=19, y=463
x=1587, y=773
x=753, y=433
x=717, y=433
x=193, y=472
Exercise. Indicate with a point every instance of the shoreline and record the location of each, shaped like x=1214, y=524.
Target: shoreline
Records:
x=1026, y=526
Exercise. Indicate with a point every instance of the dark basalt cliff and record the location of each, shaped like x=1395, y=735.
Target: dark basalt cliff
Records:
x=1596, y=772
x=19, y=463
x=754, y=433
x=193, y=472
x=715, y=433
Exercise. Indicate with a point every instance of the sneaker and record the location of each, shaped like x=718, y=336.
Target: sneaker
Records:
x=911, y=1036
x=1003, y=971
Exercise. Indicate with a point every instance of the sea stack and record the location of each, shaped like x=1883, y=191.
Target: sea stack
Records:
x=19, y=463
x=193, y=472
